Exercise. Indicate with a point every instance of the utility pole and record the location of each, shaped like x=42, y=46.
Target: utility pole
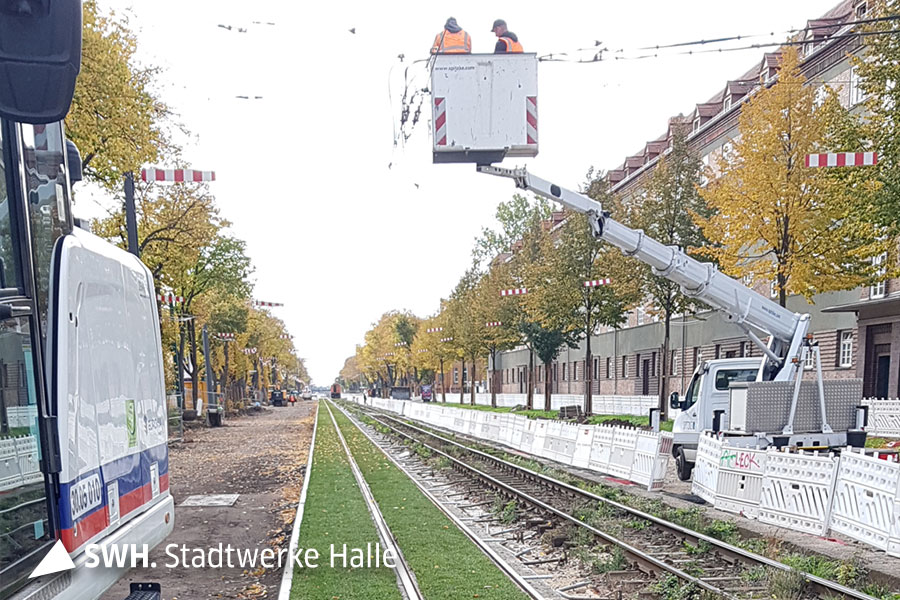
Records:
x=131, y=215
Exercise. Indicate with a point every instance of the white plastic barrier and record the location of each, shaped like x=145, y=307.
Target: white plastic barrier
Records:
x=9, y=465
x=864, y=498
x=739, y=481
x=884, y=417
x=622, y=456
x=797, y=490
x=584, y=442
x=706, y=467
x=648, y=460
x=601, y=449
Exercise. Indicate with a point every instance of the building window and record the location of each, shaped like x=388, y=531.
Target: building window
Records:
x=861, y=10
x=727, y=101
x=810, y=360
x=641, y=313
x=637, y=365
x=624, y=367
x=878, y=290
x=513, y=375
x=597, y=368
x=608, y=372
x=718, y=352
x=857, y=94
x=773, y=289
x=455, y=375
x=674, y=362
x=845, y=355
x=696, y=125
x=565, y=370
x=745, y=349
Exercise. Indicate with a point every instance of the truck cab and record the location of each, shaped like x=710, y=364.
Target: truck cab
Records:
x=704, y=405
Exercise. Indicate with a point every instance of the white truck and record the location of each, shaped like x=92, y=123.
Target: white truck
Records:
x=753, y=401
x=83, y=422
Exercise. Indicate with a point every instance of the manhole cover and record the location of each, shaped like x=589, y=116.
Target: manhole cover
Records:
x=211, y=500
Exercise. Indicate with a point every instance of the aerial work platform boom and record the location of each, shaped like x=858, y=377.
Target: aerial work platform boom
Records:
x=703, y=281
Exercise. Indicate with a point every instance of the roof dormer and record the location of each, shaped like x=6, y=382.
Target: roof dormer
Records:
x=769, y=66
x=735, y=92
x=703, y=113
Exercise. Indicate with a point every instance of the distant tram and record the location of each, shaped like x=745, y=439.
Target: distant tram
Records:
x=336, y=391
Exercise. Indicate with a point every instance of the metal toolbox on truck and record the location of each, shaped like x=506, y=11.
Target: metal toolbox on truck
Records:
x=484, y=107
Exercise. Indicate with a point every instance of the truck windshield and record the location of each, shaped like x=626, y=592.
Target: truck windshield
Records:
x=693, y=391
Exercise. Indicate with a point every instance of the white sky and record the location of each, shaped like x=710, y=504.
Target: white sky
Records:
x=303, y=173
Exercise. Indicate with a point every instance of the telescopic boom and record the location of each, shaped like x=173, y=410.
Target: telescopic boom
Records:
x=703, y=281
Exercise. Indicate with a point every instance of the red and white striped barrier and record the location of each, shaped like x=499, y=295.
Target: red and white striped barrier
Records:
x=227, y=337
x=170, y=298
x=531, y=119
x=514, y=292
x=434, y=329
x=440, y=122
x=421, y=350
x=842, y=159
x=493, y=324
x=596, y=282
x=178, y=175
x=398, y=344
x=249, y=350
x=266, y=304
x=286, y=336
x=448, y=339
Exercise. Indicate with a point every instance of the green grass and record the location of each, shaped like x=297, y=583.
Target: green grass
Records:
x=336, y=513
x=553, y=414
x=446, y=563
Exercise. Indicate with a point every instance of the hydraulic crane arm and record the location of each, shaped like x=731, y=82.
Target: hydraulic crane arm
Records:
x=703, y=281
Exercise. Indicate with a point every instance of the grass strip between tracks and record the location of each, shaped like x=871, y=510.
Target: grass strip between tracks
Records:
x=446, y=563
x=336, y=513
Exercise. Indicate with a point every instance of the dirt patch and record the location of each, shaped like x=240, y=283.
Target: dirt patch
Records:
x=262, y=457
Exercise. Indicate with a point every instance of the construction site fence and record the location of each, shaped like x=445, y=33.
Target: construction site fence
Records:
x=637, y=455
x=854, y=493
x=600, y=404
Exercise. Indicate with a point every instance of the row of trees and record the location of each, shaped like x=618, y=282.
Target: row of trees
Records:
x=120, y=123
x=758, y=213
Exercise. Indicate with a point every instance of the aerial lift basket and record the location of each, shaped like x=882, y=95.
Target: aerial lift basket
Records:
x=484, y=107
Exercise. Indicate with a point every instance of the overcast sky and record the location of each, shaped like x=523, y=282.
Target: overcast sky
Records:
x=303, y=175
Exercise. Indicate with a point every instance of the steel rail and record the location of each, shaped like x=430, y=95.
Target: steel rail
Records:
x=404, y=573
x=650, y=562
x=824, y=585
x=482, y=545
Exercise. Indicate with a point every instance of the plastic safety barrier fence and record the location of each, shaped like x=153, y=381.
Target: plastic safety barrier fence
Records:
x=628, y=453
x=20, y=462
x=884, y=417
x=864, y=498
x=797, y=490
x=706, y=467
x=739, y=483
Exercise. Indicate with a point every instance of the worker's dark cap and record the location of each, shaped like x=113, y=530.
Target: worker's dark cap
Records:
x=498, y=23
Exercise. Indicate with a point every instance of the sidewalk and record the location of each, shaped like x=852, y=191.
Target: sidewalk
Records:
x=261, y=457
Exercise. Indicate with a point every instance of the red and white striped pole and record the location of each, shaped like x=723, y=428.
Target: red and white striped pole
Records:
x=514, y=292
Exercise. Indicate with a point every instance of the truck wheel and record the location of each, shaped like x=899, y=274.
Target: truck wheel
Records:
x=682, y=467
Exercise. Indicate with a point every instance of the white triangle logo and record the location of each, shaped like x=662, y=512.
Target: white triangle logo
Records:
x=57, y=560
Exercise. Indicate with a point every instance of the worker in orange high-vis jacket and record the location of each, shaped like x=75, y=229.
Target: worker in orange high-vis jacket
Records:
x=507, y=42
x=452, y=40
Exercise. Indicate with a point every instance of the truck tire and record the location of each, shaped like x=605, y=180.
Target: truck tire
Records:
x=683, y=467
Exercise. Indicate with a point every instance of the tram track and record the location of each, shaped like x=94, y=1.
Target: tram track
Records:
x=656, y=548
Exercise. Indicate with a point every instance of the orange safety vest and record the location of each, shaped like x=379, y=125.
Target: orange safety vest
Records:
x=512, y=47
x=452, y=43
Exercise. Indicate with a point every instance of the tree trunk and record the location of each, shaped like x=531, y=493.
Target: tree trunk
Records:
x=472, y=383
x=547, y=389
x=443, y=389
x=664, y=368
x=492, y=378
x=529, y=393
x=462, y=381
x=588, y=374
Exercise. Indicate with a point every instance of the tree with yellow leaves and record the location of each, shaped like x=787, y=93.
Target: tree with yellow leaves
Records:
x=774, y=218
x=116, y=119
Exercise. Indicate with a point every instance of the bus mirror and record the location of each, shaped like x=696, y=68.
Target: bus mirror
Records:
x=40, y=56
x=73, y=157
x=674, y=401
